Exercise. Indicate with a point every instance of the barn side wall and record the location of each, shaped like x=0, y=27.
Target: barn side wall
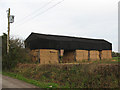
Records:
x=81, y=55
x=49, y=56
x=94, y=55
x=106, y=54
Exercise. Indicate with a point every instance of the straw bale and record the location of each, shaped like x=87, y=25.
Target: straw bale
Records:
x=94, y=55
x=34, y=54
x=48, y=56
x=106, y=54
x=61, y=52
x=81, y=55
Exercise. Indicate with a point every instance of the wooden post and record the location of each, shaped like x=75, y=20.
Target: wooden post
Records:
x=8, y=44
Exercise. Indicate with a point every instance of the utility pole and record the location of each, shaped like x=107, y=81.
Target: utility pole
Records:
x=10, y=20
x=8, y=44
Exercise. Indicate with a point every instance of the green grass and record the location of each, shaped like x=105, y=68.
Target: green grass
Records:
x=31, y=81
x=105, y=62
x=116, y=58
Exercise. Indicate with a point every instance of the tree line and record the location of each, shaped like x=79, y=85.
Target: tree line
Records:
x=115, y=54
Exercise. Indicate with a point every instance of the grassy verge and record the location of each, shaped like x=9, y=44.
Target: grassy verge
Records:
x=68, y=76
x=31, y=81
x=93, y=74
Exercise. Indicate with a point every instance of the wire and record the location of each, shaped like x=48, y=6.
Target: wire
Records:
x=48, y=9
x=38, y=9
x=44, y=11
x=29, y=15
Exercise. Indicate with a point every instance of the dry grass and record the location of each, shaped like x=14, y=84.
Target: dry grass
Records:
x=73, y=75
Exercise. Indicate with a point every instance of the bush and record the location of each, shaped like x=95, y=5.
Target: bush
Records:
x=17, y=53
x=114, y=54
x=73, y=76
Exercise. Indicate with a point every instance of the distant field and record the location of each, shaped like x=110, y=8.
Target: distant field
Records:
x=116, y=58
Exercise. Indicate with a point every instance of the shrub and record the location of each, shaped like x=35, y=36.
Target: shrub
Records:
x=73, y=76
x=17, y=53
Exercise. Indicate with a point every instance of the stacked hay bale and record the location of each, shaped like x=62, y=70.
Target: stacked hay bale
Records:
x=61, y=52
x=94, y=55
x=34, y=54
x=68, y=56
x=109, y=54
x=49, y=56
x=106, y=54
x=81, y=55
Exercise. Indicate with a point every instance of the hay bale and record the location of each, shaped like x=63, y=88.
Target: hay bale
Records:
x=48, y=56
x=34, y=54
x=61, y=52
x=94, y=55
x=81, y=55
x=106, y=54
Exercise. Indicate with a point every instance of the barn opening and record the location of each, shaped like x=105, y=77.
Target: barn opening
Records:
x=68, y=56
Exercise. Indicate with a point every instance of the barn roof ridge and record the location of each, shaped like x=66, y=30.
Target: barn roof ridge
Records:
x=68, y=36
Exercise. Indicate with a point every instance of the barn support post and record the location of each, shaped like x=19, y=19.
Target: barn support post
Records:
x=59, y=55
x=39, y=55
x=88, y=55
x=75, y=55
x=100, y=54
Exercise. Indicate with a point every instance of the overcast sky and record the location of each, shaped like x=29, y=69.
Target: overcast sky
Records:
x=80, y=18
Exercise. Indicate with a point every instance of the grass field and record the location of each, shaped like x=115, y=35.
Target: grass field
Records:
x=116, y=58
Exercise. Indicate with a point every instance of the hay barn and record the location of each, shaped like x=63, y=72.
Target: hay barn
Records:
x=52, y=49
